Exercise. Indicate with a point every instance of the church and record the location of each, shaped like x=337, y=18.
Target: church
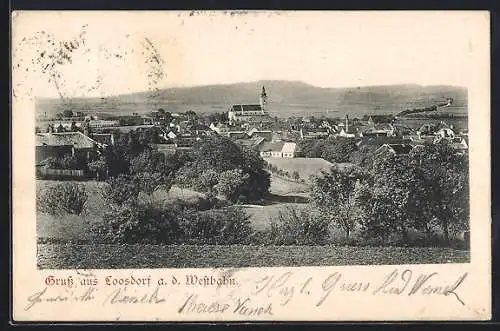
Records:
x=249, y=112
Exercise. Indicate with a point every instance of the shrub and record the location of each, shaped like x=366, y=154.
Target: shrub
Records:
x=120, y=190
x=65, y=197
x=137, y=223
x=294, y=227
x=217, y=226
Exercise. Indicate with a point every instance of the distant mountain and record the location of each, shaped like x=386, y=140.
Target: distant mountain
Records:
x=282, y=96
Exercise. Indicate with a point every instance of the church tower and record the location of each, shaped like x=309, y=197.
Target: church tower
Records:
x=263, y=100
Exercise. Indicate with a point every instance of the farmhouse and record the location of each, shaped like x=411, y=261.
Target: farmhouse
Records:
x=61, y=144
x=278, y=149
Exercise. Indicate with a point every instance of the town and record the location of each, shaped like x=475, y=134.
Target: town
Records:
x=380, y=179
x=249, y=125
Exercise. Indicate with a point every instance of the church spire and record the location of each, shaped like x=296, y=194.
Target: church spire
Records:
x=263, y=100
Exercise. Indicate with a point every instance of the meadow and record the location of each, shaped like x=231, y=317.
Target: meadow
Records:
x=305, y=167
x=68, y=241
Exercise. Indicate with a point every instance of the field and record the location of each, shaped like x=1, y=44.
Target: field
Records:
x=66, y=242
x=306, y=167
x=95, y=256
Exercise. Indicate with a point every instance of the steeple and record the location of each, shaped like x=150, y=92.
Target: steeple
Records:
x=263, y=99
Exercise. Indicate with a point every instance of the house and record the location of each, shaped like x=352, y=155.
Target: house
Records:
x=166, y=149
x=278, y=149
x=171, y=135
x=432, y=128
x=253, y=143
x=381, y=129
x=64, y=143
x=459, y=143
x=445, y=133
x=96, y=124
x=200, y=129
x=314, y=133
x=396, y=149
x=289, y=149
x=266, y=134
x=349, y=134
x=237, y=134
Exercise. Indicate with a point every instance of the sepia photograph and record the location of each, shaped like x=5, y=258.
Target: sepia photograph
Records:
x=248, y=156
x=268, y=165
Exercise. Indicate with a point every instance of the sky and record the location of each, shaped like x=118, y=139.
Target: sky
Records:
x=140, y=51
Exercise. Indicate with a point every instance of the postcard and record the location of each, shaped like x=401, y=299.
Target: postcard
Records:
x=250, y=166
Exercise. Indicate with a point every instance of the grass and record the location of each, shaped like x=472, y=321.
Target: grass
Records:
x=98, y=256
x=67, y=241
x=306, y=167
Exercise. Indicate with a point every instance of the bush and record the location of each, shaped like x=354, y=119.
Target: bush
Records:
x=216, y=227
x=65, y=197
x=137, y=223
x=120, y=190
x=298, y=228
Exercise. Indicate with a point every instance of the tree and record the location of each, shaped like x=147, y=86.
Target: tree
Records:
x=74, y=128
x=334, y=194
x=120, y=190
x=230, y=184
x=295, y=175
x=68, y=113
x=339, y=149
x=60, y=128
x=446, y=175
x=99, y=167
x=207, y=180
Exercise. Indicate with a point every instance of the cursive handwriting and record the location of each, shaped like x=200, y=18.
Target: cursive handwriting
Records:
x=120, y=296
x=271, y=285
x=41, y=296
x=396, y=283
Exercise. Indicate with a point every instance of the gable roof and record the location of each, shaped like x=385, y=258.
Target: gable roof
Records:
x=289, y=148
x=276, y=146
x=76, y=139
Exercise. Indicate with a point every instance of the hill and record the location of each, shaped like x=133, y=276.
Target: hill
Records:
x=286, y=98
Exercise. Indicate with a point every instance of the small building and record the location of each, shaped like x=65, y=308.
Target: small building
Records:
x=97, y=124
x=278, y=149
x=314, y=133
x=266, y=134
x=396, y=149
x=58, y=145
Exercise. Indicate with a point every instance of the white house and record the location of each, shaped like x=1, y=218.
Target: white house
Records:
x=278, y=149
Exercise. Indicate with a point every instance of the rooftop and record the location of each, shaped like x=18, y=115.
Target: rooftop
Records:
x=75, y=139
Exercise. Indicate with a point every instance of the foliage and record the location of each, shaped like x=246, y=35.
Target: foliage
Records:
x=138, y=223
x=68, y=161
x=334, y=194
x=294, y=227
x=339, y=149
x=231, y=184
x=216, y=227
x=240, y=170
x=65, y=197
x=99, y=167
x=121, y=189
